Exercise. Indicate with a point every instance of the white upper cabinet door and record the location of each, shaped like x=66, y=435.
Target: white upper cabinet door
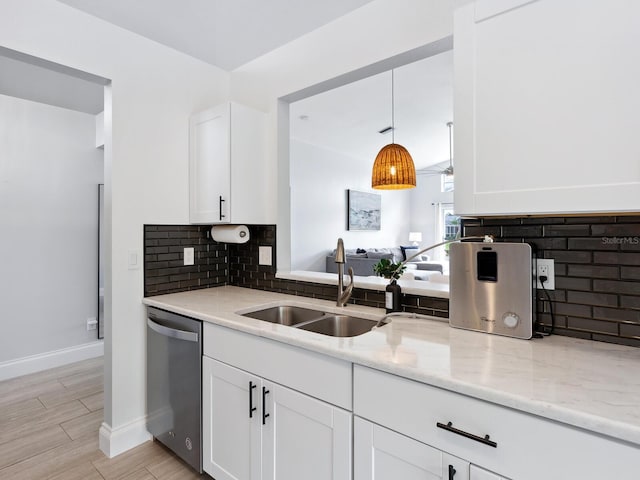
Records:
x=250, y=175
x=228, y=175
x=546, y=104
x=210, y=165
x=231, y=422
x=304, y=438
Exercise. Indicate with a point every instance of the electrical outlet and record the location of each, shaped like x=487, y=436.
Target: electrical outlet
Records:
x=92, y=323
x=546, y=269
x=188, y=256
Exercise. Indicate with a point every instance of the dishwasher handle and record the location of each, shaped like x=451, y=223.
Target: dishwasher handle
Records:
x=172, y=332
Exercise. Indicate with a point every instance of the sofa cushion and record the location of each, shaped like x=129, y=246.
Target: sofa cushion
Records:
x=380, y=255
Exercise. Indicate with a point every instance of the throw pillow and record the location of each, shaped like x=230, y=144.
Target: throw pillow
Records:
x=406, y=254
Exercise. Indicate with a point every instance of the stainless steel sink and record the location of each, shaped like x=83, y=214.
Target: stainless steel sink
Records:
x=334, y=325
x=339, y=325
x=285, y=315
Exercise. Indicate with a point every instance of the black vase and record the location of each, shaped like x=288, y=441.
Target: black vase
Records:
x=393, y=297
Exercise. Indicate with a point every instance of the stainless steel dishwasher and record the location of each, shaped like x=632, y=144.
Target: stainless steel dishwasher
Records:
x=174, y=383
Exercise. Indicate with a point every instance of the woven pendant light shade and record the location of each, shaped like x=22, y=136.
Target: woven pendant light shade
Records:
x=393, y=169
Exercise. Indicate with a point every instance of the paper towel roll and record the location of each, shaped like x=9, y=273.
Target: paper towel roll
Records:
x=230, y=233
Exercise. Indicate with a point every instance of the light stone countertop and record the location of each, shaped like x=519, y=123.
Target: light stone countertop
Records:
x=437, y=284
x=592, y=385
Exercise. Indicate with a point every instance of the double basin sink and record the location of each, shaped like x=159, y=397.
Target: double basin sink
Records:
x=332, y=324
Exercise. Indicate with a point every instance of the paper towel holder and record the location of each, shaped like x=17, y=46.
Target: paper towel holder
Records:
x=230, y=233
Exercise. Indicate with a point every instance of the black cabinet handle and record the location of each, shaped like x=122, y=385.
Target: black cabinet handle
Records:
x=251, y=407
x=450, y=428
x=220, y=203
x=264, y=405
x=452, y=472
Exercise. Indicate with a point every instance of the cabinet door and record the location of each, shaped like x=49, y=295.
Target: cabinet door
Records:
x=231, y=433
x=382, y=454
x=209, y=165
x=304, y=437
x=545, y=104
x=250, y=175
x=477, y=473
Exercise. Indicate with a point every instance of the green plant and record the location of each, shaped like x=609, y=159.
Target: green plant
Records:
x=387, y=269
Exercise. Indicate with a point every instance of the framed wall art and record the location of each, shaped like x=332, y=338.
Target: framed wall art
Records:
x=363, y=210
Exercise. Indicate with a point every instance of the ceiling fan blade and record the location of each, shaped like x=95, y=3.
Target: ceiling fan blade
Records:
x=429, y=172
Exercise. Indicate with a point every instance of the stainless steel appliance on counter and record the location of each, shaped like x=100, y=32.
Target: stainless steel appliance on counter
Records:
x=174, y=383
x=492, y=288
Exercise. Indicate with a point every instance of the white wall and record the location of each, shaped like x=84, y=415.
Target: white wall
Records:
x=49, y=176
x=154, y=90
x=424, y=211
x=319, y=181
x=339, y=48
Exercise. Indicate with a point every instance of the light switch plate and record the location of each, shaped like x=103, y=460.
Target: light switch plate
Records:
x=133, y=259
x=188, y=256
x=265, y=255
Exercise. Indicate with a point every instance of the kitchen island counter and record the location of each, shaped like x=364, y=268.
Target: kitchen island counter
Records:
x=586, y=384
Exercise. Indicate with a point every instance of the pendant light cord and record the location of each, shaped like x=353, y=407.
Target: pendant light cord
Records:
x=393, y=116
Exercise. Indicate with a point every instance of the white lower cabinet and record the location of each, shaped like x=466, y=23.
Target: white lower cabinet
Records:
x=289, y=420
x=382, y=454
x=232, y=443
x=496, y=438
x=304, y=438
x=477, y=473
x=256, y=429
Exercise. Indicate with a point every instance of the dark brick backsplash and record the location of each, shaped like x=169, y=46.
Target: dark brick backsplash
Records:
x=219, y=264
x=244, y=272
x=597, y=266
x=164, y=269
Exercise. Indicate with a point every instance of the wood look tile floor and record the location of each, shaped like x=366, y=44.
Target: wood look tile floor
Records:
x=49, y=425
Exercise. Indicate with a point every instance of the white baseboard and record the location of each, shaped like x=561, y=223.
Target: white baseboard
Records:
x=114, y=441
x=47, y=360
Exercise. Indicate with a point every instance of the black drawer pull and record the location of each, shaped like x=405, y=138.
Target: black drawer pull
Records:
x=452, y=472
x=450, y=428
x=251, y=407
x=264, y=405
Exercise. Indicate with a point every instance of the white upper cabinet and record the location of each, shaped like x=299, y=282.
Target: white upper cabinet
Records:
x=228, y=181
x=546, y=107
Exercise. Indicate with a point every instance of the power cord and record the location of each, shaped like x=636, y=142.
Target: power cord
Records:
x=543, y=279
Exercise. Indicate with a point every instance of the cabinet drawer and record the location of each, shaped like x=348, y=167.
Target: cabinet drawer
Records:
x=528, y=447
x=314, y=374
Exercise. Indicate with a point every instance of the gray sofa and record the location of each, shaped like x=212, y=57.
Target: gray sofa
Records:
x=363, y=260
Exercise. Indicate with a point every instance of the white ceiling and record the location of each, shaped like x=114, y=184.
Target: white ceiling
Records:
x=221, y=32
x=225, y=33
x=347, y=119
